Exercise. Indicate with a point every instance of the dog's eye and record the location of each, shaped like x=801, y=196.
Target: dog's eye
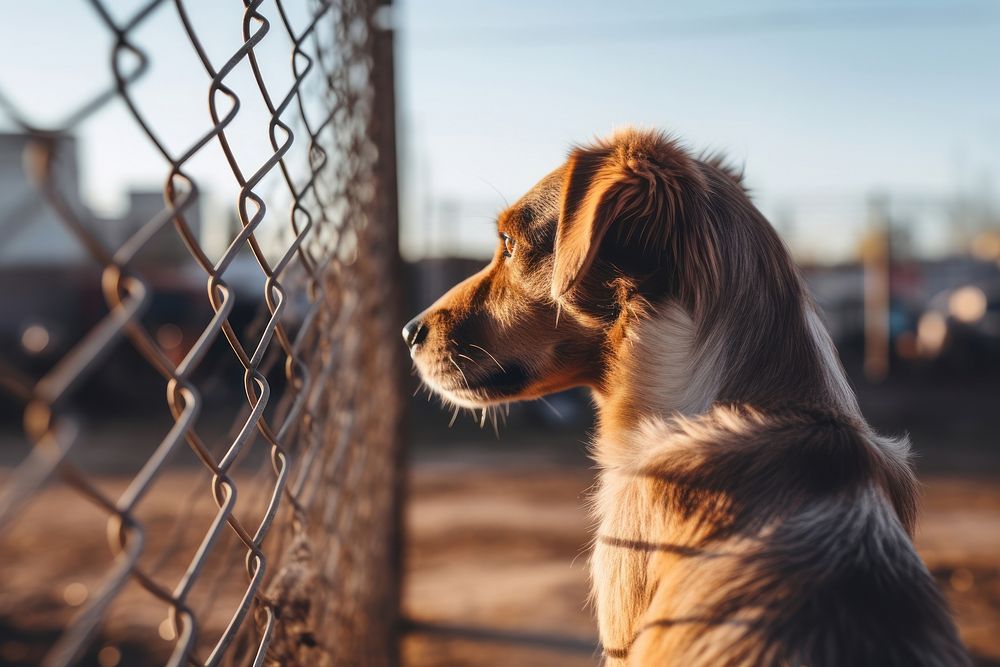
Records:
x=508, y=244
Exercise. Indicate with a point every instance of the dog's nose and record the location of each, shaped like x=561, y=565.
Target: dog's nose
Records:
x=414, y=332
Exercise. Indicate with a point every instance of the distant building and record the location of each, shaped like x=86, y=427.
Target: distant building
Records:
x=166, y=246
x=33, y=233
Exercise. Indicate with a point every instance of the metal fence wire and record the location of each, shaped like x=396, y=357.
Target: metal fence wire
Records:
x=250, y=517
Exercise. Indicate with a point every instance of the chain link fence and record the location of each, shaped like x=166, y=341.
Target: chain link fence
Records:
x=199, y=435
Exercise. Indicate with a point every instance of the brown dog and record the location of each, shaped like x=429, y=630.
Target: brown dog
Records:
x=747, y=513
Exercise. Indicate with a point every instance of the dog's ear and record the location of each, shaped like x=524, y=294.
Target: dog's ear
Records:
x=635, y=179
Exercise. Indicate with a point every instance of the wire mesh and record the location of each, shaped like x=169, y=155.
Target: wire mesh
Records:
x=239, y=529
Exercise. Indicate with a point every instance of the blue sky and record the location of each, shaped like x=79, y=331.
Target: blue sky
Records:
x=824, y=102
x=821, y=101
x=54, y=55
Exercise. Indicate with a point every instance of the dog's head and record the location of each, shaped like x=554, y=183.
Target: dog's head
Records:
x=578, y=257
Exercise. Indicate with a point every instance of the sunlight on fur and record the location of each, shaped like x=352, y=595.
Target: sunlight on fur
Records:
x=746, y=513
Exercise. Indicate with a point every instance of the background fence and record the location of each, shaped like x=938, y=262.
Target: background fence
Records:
x=212, y=527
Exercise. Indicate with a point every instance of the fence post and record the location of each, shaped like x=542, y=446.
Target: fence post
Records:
x=384, y=136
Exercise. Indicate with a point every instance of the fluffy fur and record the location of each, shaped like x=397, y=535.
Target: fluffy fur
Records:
x=747, y=514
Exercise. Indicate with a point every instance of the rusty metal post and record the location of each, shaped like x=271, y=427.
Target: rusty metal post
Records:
x=384, y=136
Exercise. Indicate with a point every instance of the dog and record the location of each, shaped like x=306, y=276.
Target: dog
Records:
x=746, y=513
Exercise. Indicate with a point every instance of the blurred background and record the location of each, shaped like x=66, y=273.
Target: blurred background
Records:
x=870, y=137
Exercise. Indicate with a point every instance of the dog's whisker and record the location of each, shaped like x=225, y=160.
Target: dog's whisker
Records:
x=455, y=364
x=496, y=190
x=482, y=419
x=550, y=407
x=465, y=356
x=454, y=416
x=489, y=355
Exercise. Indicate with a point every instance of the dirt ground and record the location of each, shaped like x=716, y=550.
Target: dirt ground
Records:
x=56, y=557
x=497, y=563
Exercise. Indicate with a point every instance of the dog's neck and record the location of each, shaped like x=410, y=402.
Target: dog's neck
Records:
x=735, y=325
x=667, y=364
x=659, y=369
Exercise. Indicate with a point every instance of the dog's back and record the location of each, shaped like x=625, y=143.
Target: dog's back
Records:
x=777, y=538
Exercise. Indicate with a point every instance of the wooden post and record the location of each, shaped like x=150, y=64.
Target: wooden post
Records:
x=877, y=260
